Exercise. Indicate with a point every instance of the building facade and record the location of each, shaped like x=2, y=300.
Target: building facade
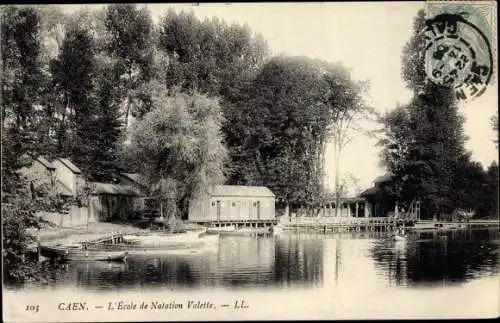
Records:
x=112, y=202
x=69, y=179
x=381, y=202
x=231, y=203
x=40, y=172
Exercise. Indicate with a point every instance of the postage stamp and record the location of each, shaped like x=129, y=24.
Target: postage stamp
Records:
x=459, y=41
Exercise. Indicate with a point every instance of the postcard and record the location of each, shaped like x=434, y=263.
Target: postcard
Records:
x=250, y=161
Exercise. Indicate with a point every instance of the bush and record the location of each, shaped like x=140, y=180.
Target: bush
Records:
x=17, y=217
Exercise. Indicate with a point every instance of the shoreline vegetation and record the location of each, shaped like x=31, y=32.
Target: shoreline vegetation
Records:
x=189, y=103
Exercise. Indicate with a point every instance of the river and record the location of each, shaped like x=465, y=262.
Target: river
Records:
x=293, y=275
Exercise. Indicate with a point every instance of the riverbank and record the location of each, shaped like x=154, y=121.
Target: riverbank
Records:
x=53, y=235
x=50, y=235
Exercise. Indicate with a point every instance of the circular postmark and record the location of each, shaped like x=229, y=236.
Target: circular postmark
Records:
x=457, y=55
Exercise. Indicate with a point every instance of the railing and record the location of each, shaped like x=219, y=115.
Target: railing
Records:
x=335, y=220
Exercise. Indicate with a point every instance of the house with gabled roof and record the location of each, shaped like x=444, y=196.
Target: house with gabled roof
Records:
x=111, y=202
x=40, y=172
x=233, y=204
x=378, y=197
x=69, y=179
x=107, y=201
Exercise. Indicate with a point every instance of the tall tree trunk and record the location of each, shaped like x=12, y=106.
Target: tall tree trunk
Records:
x=60, y=134
x=127, y=113
x=129, y=99
x=337, y=181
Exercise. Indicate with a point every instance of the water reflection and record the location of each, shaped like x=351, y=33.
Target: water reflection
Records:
x=305, y=260
x=438, y=258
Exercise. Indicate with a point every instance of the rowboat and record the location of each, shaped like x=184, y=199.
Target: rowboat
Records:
x=204, y=242
x=81, y=252
x=437, y=225
x=424, y=225
x=163, y=239
x=244, y=231
x=217, y=230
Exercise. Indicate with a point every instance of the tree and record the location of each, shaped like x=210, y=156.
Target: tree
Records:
x=74, y=75
x=347, y=108
x=22, y=84
x=424, y=140
x=272, y=130
x=492, y=190
x=178, y=147
x=106, y=138
x=208, y=56
x=279, y=122
x=413, y=56
x=130, y=44
x=423, y=147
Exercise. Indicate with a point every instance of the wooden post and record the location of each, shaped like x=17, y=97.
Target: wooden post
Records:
x=357, y=205
x=88, y=213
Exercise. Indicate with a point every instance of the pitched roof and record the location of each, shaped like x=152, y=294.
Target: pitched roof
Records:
x=66, y=162
x=235, y=190
x=370, y=191
x=387, y=177
x=113, y=189
x=135, y=178
x=132, y=176
x=45, y=162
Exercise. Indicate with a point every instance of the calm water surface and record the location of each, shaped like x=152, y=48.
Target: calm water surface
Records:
x=363, y=272
x=306, y=260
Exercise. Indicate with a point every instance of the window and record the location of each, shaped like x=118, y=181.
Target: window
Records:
x=254, y=203
x=213, y=203
x=234, y=204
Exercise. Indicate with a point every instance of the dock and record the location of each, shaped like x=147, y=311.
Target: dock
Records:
x=366, y=224
x=338, y=224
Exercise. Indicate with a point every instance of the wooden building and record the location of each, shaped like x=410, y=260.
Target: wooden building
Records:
x=69, y=180
x=112, y=202
x=133, y=179
x=233, y=204
x=379, y=199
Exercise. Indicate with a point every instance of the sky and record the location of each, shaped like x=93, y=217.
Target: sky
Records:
x=366, y=37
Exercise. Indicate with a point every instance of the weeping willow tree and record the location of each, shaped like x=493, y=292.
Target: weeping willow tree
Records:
x=179, y=150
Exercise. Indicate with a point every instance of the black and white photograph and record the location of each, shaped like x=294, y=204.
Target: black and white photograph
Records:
x=249, y=161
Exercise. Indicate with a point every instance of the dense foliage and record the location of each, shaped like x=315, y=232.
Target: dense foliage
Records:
x=423, y=145
x=179, y=148
x=188, y=103
x=278, y=125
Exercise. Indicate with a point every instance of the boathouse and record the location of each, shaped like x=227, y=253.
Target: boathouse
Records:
x=112, y=202
x=234, y=204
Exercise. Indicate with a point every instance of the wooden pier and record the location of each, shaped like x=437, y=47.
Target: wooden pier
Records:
x=367, y=224
x=337, y=224
x=241, y=223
